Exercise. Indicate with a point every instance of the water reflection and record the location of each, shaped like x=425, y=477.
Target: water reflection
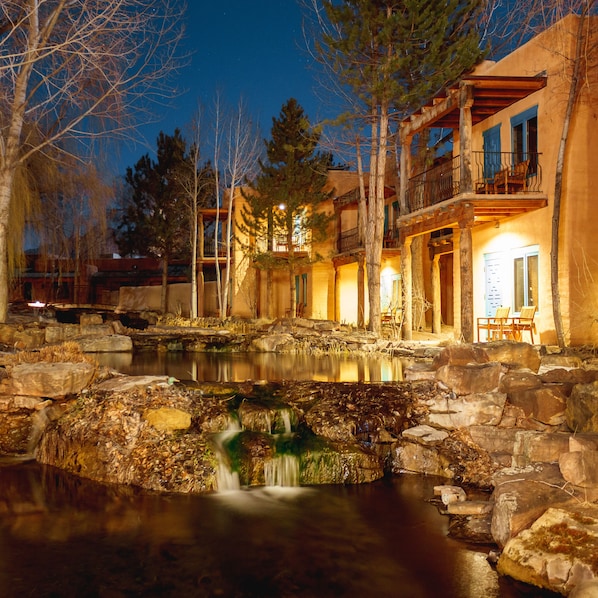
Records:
x=64, y=536
x=238, y=367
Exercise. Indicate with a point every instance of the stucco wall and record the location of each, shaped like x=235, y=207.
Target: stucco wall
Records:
x=578, y=250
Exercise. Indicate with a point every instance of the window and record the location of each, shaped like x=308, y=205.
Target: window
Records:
x=511, y=279
x=525, y=279
x=524, y=129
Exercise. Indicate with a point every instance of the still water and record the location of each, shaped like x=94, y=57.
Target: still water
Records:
x=238, y=367
x=61, y=536
x=66, y=537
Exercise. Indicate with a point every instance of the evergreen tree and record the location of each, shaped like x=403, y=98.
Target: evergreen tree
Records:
x=391, y=56
x=284, y=204
x=155, y=217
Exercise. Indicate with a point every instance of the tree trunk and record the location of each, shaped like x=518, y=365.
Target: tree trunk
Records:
x=558, y=186
x=164, y=292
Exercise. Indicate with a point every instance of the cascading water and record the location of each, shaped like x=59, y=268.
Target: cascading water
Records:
x=226, y=478
x=258, y=448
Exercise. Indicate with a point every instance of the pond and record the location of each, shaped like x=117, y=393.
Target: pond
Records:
x=238, y=367
x=63, y=536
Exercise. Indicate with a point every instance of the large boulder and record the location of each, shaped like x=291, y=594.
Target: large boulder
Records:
x=558, y=552
x=514, y=355
x=461, y=411
x=521, y=496
x=53, y=380
x=546, y=403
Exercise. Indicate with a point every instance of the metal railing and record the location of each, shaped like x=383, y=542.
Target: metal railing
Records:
x=443, y=181
x=348, y=240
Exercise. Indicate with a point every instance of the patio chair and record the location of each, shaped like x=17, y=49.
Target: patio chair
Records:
x=524, y=323
x=496, y=326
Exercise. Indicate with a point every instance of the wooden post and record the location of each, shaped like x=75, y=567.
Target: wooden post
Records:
x=360, y=291
x=466, y=268
x=337, y=294
x=407, y=289
x=436, y=300
x=465, y=132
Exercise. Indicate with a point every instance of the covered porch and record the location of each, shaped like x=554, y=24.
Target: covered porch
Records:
x=467, y=189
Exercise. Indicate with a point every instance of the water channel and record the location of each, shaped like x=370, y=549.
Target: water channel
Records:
x=62, y=536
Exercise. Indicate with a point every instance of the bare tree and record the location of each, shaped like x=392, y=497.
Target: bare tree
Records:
x=236, y=150
x=71, y=71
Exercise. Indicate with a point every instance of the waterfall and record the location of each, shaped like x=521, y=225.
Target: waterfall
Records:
x=226, y=478
x=285, y=415
x=283, y=470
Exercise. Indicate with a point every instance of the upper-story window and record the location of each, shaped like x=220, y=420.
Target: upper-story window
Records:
x=524, y=135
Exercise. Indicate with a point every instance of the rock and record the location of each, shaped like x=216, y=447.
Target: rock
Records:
x=539, y=447
x=582, y=408
x=168, y=419
x=519, y=380
x=460, y=355
x=546, y=403
x=90, y=320
x=493, y=439
x=30, y=338
x=108, y=343
x=587, y=588
x=514, y=355
x=271, y=343
x=419, y=371
x=583, y=442
x=471, y=378
x=580, y=468
x=569, y=377
x=452, y=413
x=473, y=529
x=61, y=333
x=559, y=361
x=450, y=494
x=416, y=458
x=425, y=435
x=339, y=463
x=521, y=496
x=130, y=383
x=557, y=553
x=52, y=380
x=470, y=507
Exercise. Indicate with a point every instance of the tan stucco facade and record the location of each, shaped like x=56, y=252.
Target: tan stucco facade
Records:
x=578, y=250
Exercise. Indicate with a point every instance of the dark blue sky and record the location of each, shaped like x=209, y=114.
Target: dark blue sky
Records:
x=242, y=48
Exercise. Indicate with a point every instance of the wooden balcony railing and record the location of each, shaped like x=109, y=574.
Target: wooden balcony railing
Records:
x=491, y=172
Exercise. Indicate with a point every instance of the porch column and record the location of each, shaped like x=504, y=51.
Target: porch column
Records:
x=405, y=169
x=436, y=300
x=360, y=291
x=466, y=271
x=465, y=132
x=407, y=289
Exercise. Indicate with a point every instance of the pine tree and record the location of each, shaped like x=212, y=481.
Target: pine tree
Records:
x=155, y=215
x=391, y=56
x=285, y=201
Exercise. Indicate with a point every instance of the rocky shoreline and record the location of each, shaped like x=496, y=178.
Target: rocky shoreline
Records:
x=518, y=421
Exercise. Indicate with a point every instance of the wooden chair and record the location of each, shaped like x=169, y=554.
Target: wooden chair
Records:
x=512, y=180
x=496, y=326
x=524, y=323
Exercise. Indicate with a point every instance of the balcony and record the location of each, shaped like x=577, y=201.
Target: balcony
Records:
x=493, y=173
x=348, y=240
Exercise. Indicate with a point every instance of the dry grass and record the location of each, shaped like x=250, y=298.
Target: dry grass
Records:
x=68, y=352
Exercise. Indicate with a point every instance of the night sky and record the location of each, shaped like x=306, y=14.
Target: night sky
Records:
x=240, y=48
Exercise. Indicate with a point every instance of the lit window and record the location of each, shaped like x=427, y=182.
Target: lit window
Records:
x=525, y=279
